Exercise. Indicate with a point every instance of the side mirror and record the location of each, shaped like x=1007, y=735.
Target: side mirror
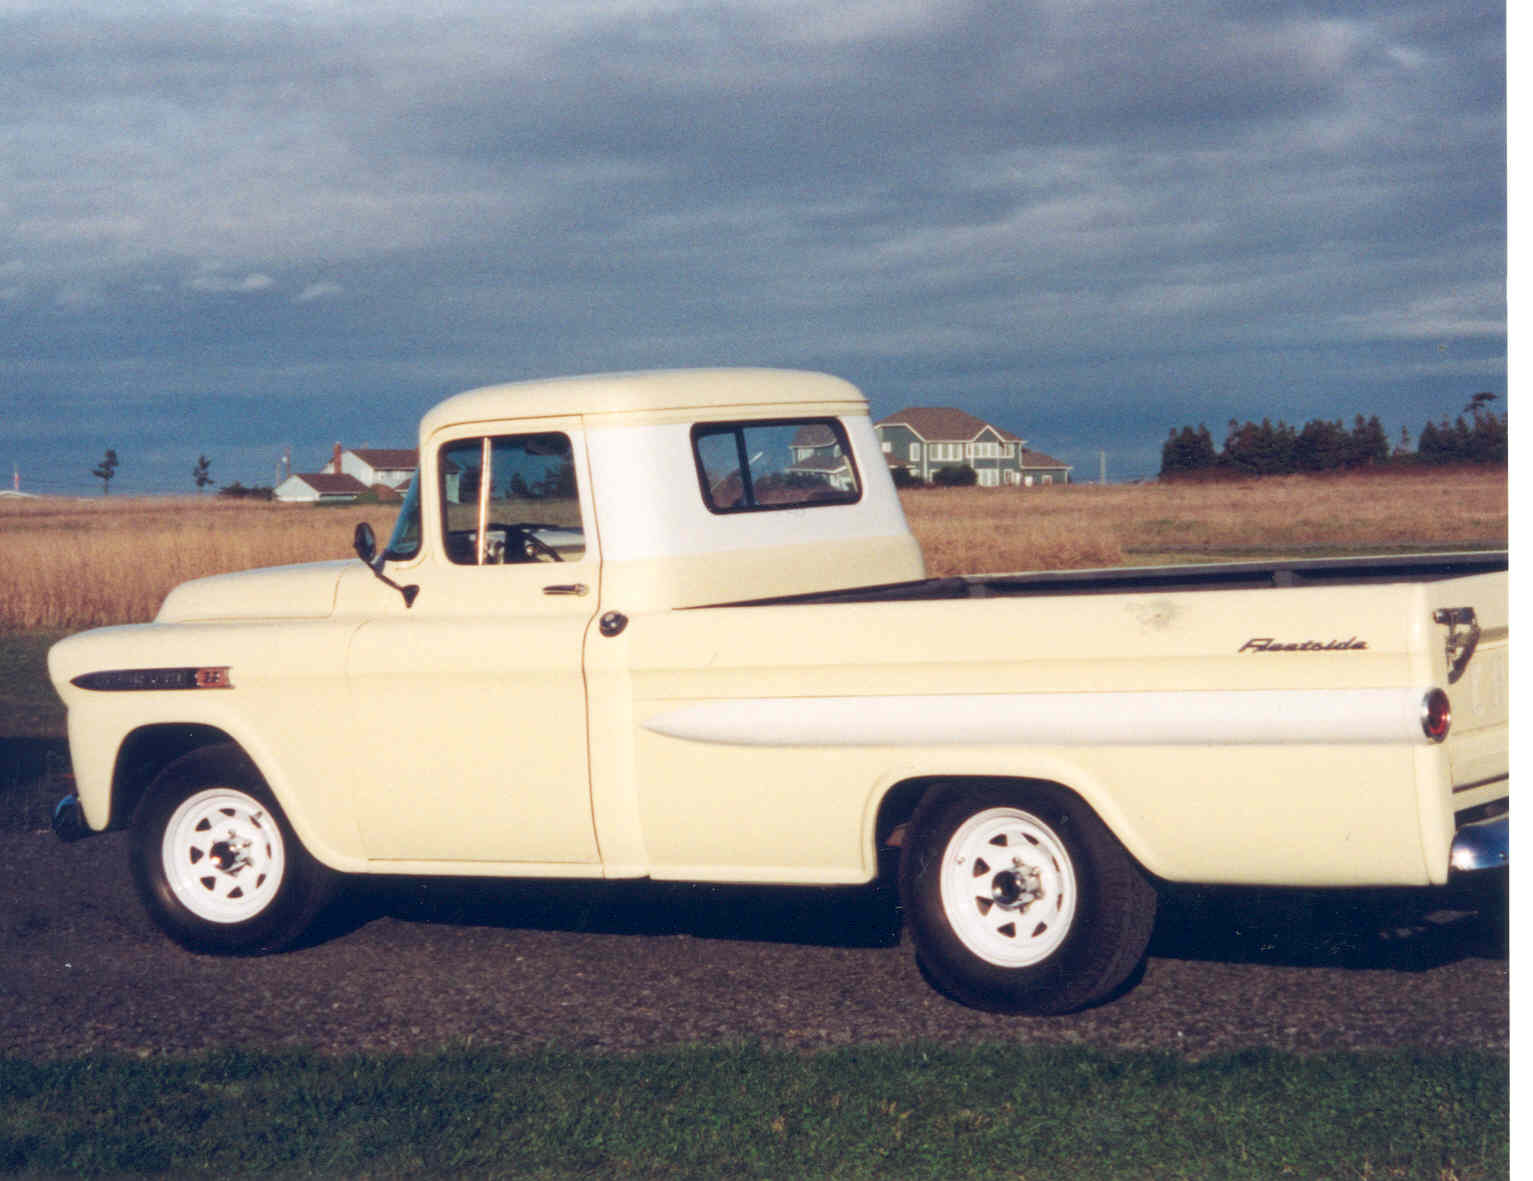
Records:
x=363, y=541
x=366, y=545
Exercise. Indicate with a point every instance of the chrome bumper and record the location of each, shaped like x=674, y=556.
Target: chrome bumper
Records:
x=69, y=820
x=1484, y=844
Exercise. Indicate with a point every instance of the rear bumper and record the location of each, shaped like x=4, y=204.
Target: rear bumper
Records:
x=1481, y=846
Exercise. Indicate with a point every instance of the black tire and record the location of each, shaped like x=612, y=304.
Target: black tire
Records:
x=1020, y=900
x=216, y=862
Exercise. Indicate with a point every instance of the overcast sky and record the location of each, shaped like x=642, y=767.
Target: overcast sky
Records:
x=230, y=228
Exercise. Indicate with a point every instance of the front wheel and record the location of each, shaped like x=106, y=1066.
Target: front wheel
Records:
x=1020, y=900
x=216, y=862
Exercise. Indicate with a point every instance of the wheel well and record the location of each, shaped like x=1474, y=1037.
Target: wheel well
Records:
x=148, y=751
x=901, y=801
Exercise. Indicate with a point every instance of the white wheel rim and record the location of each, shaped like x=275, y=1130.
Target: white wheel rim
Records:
x=223, y=855
x=1008, y=887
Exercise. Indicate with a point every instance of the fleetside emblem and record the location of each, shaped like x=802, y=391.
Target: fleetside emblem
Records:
x=1269, y=644
x=142, y=680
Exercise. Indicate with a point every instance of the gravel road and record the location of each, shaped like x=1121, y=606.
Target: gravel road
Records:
x=404, y=966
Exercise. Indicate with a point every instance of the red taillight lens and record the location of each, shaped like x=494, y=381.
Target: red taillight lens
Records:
x=1436, y=715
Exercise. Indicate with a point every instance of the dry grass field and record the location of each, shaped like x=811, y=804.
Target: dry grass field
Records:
x=68, y=564
x=1081, y=526
x=71, y=564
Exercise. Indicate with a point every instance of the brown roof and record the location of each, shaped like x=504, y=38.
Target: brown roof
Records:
x=388, y=459
x=329, y=484
x=1039, y=459
x=946, y=424
x=815, y=435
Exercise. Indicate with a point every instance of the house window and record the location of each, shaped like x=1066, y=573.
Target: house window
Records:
x=887, y=446
x=946, y=451
x=510, y=499
x=750, y=466
x=989, y=477
x=915, y=451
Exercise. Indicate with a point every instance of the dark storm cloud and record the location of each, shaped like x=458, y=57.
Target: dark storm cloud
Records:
x=1088, y=221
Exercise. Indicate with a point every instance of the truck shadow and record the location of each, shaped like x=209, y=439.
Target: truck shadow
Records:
x=1381, y=929
x=1398, y=930
x=864, y=916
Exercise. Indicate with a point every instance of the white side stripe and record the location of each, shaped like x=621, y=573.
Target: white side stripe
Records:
x=1056, y=719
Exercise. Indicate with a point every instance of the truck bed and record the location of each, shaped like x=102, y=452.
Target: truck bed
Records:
x=1127, y=580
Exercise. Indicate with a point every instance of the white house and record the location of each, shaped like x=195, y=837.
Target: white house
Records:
x=350, y=474
x=319, y=488
x=926, y=439
x=374, y=466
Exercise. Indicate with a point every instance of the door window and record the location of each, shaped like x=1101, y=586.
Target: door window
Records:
x=510, y=499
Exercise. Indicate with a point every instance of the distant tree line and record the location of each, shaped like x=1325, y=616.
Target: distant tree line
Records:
x=238, y=491
x=1477, y=435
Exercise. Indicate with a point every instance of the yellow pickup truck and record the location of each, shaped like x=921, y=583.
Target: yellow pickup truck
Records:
x=673, y=625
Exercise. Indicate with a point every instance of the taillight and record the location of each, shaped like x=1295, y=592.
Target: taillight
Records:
x=1436, y=715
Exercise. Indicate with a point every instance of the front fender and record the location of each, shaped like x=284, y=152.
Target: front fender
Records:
x=285, y=704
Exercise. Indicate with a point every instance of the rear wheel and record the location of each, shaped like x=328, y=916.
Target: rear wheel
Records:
x=1020, y=900
x=216, y=862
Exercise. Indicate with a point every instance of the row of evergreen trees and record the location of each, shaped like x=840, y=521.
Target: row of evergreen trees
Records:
x=1477, y=435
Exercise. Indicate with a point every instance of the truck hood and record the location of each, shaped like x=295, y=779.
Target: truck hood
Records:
x=276, y=592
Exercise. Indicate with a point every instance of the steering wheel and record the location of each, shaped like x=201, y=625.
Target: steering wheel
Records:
x=534, y=547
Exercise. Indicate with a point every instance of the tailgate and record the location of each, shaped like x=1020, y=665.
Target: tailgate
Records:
x=1469, y=646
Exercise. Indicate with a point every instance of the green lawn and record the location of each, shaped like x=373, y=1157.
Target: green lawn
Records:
x=916, y=1111
x=29, y=708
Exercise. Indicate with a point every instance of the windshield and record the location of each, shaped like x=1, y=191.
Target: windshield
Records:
x=405, y=541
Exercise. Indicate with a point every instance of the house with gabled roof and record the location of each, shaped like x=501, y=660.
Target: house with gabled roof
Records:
x=817, y=454
x=1038, y=468
x=926, y=439
x=391, y=467
x=319, y=488
x=352, y=473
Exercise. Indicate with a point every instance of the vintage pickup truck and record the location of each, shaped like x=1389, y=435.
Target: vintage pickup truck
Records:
x=673, y=625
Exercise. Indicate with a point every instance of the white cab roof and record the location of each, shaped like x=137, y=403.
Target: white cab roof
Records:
x=643, y=392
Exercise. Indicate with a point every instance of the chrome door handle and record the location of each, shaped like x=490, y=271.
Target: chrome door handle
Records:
x=568, y=588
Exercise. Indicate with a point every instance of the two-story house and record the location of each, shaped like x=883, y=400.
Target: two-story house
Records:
x=350, y=474
x=925, y=439
x=817, y=454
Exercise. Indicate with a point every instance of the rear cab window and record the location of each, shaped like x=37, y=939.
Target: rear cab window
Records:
x=779, y=464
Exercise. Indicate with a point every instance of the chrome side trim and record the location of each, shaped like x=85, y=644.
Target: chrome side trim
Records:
x=1259, y=717
x=1483, y=845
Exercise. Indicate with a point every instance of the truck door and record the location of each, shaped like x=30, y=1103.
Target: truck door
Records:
x=470, y=705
